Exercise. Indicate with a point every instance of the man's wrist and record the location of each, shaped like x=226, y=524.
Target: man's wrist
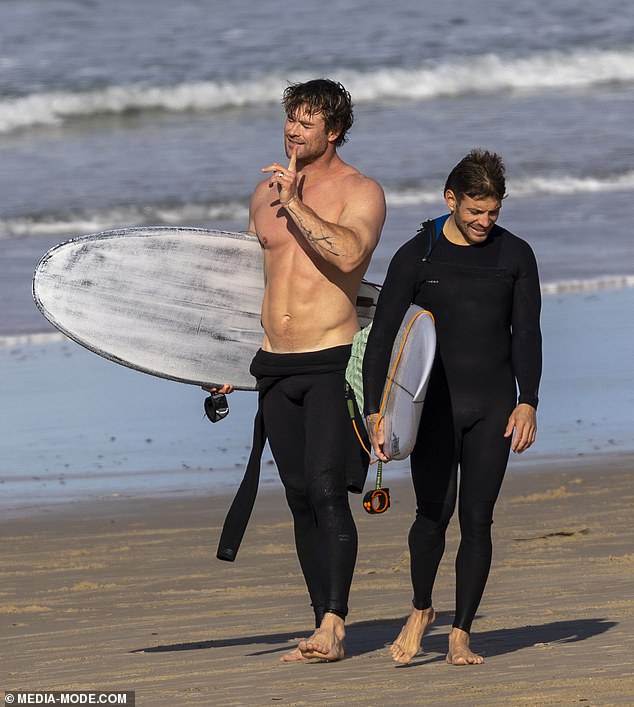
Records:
x=290, y=201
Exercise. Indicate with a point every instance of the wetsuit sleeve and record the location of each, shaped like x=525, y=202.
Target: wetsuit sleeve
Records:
x=396, y=295
x=526, y=342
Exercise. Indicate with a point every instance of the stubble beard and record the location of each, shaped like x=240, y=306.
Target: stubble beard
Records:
x=305, y=153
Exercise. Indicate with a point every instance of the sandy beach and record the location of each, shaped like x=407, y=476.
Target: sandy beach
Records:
x=127, y=594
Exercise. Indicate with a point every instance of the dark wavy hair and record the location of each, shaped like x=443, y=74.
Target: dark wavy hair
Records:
x=479, y=175
x=323, y=96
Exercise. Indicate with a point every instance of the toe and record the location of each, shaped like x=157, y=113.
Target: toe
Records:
x=293, y=656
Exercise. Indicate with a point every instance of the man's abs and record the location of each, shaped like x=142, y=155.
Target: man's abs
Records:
x=306, y=310
x=295, y=322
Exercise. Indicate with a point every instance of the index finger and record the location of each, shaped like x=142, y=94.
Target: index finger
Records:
x=293, y=161
x=275, y=167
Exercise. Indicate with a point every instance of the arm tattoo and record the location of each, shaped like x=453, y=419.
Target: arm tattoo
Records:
x=324, y=242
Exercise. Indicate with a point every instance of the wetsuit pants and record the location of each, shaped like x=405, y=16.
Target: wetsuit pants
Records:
x=309, y=432
x=457, y=434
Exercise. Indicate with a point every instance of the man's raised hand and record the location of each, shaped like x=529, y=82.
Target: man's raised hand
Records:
x=285, y=178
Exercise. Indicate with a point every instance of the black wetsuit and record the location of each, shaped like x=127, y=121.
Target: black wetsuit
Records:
x=303, y=412
x=486, y=302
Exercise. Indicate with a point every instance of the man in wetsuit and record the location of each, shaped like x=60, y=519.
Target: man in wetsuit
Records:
x=481, y=284
x=318, y=221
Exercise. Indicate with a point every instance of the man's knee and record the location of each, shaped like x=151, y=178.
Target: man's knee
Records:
x=325, y=507
x=330, y=506
x=435, y=513
x=476, y=520
x=431, y=523
x=298, y=502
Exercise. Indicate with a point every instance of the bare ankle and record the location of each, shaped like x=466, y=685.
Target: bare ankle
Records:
x=423, y=614
x=333, y=622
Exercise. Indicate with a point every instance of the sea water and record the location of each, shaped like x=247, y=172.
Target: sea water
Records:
x=117, y=113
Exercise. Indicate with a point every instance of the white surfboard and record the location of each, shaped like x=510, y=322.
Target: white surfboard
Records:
x=411, y=362
x=405, y=387
x=178, y=303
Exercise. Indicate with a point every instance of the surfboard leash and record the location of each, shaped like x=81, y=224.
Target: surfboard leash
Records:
x=377, y=500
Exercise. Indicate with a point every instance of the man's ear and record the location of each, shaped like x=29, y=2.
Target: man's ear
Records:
x=452, y=201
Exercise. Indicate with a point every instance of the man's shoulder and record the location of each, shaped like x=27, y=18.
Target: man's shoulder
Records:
x=262, y=186
x=261, y=191
x=355, y=176
x=511, y=238
x=354, y=182
x=515, y=246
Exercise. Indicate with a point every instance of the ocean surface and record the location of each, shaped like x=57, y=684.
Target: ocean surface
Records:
x=117, y=113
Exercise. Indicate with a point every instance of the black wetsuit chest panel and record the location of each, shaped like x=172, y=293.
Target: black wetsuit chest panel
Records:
x=471, y=298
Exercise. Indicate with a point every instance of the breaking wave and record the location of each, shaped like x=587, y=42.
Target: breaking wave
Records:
x=551, y=185
x=484, y=74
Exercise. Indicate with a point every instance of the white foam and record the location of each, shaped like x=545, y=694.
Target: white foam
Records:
x=30, y=339
x=73, y=224
x=55, y=108
x=487, y=73
x=551, y=185
x=565, y=185
x=607, y=282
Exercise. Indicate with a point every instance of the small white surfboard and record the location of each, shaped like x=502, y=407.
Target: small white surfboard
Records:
x=411, y=362
x=178, y=303
x=406, y=383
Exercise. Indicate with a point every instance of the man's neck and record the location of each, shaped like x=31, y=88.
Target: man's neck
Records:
x=452, y=232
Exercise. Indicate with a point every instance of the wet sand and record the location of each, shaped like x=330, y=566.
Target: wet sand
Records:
x=127, y=594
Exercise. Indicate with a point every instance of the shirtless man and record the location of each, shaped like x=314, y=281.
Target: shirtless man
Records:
x=318, y=221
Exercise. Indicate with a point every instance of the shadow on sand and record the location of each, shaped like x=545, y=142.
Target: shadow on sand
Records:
x=367, y=636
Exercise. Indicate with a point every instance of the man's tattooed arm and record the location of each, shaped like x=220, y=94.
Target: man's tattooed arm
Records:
x=328, y=239
x=325, y=242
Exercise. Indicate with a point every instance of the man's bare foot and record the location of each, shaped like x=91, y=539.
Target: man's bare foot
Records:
x=326, y=643
x=408, y=641
x=294, y=656
x=459, y=651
